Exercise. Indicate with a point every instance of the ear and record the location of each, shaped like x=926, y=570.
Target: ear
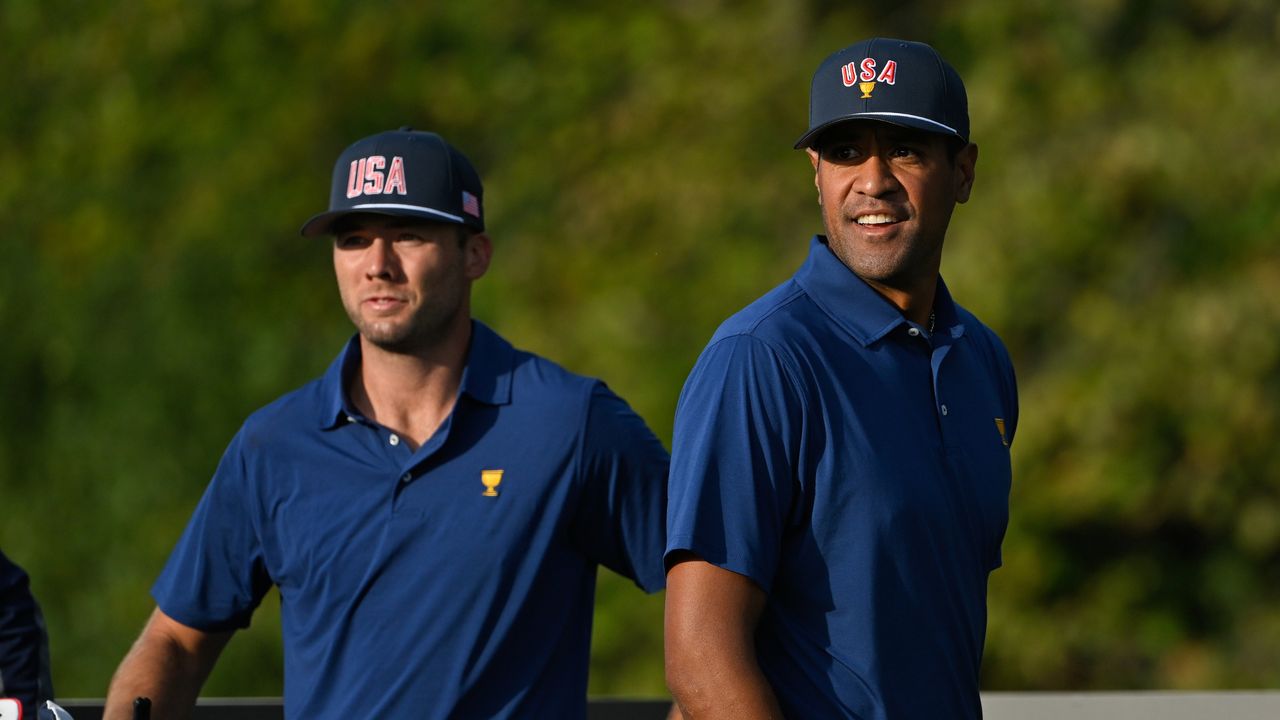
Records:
x=966, y=161
x=477, y=252
x=815, y=158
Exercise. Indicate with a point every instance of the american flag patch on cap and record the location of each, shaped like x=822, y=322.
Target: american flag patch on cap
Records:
x=470, y=205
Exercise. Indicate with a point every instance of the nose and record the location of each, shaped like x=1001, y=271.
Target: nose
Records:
x=380, y=258
x=876, y=177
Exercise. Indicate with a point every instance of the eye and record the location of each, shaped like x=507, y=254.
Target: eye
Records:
x=408, y=238
x=349, y=242
x=840, y=153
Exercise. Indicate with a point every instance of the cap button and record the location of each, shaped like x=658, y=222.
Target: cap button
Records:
x=406, y=128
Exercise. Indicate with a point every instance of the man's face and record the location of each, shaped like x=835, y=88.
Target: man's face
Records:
x=405, y=283
x=887, y=193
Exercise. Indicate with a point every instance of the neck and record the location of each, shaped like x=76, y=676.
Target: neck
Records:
x=411, y=393
x=915, y=302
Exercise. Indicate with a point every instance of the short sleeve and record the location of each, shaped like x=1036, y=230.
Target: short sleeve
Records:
x=24, y=646
x=216, y=576
x=734, y=454
x=619, y=520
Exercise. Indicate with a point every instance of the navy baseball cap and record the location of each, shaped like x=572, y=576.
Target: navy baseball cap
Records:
x=404, y=173
x=894, y=81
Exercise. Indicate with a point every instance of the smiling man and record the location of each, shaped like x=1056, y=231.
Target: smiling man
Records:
x=840, y=468
x=433, y=509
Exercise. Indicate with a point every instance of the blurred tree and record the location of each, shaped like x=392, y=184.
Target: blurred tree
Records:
x=160, y=155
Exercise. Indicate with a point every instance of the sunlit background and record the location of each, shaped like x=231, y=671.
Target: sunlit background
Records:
x=158, y=158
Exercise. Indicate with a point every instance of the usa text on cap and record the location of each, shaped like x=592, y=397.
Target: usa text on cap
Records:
x=404, y=173
x=895, y=81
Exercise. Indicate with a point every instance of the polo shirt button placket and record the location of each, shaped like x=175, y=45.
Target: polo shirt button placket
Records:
x=921, y=335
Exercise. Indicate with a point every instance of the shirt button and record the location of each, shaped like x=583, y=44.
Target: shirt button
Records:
x=944, y=409
x=914, y=332
x=350, y=419
x=405, y=478
x=394, y=440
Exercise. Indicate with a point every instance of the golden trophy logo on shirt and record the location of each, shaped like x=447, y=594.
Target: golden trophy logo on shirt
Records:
x=490, y=479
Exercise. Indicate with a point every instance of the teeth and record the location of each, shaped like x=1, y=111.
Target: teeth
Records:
x=874, y=219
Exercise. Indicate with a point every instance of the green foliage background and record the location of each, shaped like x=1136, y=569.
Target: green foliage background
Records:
x=159, y=155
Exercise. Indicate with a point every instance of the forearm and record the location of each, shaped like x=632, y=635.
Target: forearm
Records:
x=157, y=669
x=165, y=666
x=713, y=684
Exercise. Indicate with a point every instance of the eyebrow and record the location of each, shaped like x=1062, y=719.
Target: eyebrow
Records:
x=900, y=134
x=392, y=222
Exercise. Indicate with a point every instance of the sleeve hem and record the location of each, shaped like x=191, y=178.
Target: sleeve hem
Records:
x=739, y=565
x=203, y=624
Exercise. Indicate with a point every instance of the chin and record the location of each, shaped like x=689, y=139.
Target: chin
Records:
x=396, y=344
x=407, y=339
x=384, y=335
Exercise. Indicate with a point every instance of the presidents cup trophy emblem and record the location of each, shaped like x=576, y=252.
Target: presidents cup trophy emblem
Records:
x=490, y=479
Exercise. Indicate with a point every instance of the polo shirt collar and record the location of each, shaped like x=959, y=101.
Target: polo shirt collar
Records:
x=490, y=362
x=486, y=377
x=855, y=305
x=333, y=394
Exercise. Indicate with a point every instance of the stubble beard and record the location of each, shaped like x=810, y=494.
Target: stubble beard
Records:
x=427, y=328
x=895, y=263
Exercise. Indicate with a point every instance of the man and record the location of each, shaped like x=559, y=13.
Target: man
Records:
x=24, y=645
x=433, y=509
x=840, y=470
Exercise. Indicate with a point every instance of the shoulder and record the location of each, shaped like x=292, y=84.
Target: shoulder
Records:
x=286, y=425
x=769, y=316
x=11, y=576
x=756, y=372
x=537, y=391
x=294, y=411
x=761, y=337
x=986, y=340
x=500, y=371
x=545, y=392
x=534, y=373
x=553, y=402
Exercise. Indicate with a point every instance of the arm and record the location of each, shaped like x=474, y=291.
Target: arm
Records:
x=711, y=618
x=24, y=647
x=620, y=521
x=168, y=663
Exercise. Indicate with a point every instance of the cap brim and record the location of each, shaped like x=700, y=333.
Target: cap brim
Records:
x=322, y=224
x=912, y=121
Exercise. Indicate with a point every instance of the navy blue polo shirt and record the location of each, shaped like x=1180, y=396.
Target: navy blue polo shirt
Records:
x=856, y=469
x=455, y=581
x=24, y=647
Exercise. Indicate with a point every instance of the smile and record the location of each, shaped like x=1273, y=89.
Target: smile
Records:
x=877, y=219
